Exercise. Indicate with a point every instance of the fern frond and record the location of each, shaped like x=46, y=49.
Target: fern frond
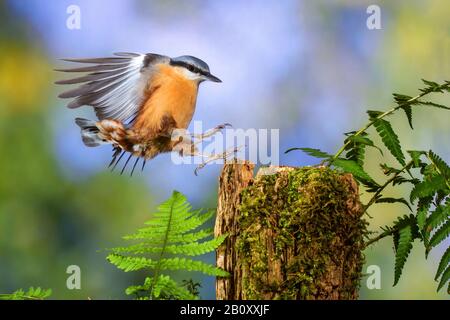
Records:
x=445, y=278
x=403, y=102
x=353, y=168
x=408, y=113
x=167, y=287
x=127, y=264
x=394, y=200
x=433, y=104
x=422, y=211
x=163, y=288
x=167, y=237
x=437, y=217
x=196, y=249
x=189, y=249
x=387, y=170
x=415, y=156
x=31, y=294
x=130, y=263
x=390, y=139
x=316, y=153
x=192, y=265
x=178, y=238
x=427, y=188
x=445, y=261
x=432, y=86
x=440, y=235
x=355, y=148
x=178, y=227
x=440, y=165
x=405, y=233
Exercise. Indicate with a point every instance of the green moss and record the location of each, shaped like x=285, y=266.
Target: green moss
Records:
x=296, y=225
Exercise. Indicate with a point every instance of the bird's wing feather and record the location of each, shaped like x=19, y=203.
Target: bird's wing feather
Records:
x=115, y=86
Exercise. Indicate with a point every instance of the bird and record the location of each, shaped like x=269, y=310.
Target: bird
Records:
x=139, y=100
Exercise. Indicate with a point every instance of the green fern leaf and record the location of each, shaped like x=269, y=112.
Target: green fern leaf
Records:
x=403, y=101
x=374, y=113
x=163, y=243
x=445, y=261
x=31, y=294
x=196, y=249
x=408, y=112
x=177, y=229
x=316, y=153
x=431, y=86
x=130, y=263
x=189, y=249
x=440, y=164
x=134, y=263
x=127, y=264
x=415, y=156
x=353, y=168
x=405, y=233
x=394, y=200
x=354, y=151
x=387, y=170
x=192, y=265
x=433, y=104
x=422, y=211
x=164, y=288
x=178, y=238
x=355, y=146
x=390, y=139
x=440, y=235
x=427, y=188
x=445, y=278
x=437, y=217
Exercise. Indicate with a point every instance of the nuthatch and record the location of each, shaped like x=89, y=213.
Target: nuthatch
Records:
x=139, y=99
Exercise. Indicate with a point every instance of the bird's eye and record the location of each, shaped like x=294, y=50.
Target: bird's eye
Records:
x=191, y=68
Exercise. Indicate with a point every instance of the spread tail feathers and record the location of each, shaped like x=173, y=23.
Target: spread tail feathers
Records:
x=111, y=132
x=89, y=132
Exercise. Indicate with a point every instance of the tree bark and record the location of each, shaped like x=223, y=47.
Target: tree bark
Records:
x=233, y=179
x=293, y=233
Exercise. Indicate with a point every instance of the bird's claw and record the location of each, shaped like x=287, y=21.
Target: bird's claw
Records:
x=223, y=156
x=211, y=132
x=223, y=126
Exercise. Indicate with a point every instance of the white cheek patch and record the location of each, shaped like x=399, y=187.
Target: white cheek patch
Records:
x=189, y=75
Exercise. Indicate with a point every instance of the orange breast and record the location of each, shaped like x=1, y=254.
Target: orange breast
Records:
x=169, y=94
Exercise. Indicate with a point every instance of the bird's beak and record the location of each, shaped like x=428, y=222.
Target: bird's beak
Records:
x=212, y=78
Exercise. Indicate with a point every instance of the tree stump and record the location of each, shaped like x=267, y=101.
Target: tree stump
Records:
x=293, y=233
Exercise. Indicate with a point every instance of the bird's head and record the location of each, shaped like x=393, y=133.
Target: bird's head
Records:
x=193, y=68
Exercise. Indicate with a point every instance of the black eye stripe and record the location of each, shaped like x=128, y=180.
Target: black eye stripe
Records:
x=188, y=66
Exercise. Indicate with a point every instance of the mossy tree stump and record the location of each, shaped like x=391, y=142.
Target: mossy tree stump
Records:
x=293, y=233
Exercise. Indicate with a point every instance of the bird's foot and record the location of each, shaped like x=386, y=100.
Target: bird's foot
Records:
x=210, y=133
x=211, y=158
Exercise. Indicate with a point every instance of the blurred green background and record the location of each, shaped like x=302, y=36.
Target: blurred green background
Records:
x=309, y=68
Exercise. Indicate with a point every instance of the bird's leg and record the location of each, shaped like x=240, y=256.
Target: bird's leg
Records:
x=209, y=133
x=214, y=157
x=189, y=148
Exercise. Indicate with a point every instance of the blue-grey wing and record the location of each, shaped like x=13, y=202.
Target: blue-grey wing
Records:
x=114, y=86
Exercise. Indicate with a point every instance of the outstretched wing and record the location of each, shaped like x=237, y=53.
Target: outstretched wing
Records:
x=114, y=86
